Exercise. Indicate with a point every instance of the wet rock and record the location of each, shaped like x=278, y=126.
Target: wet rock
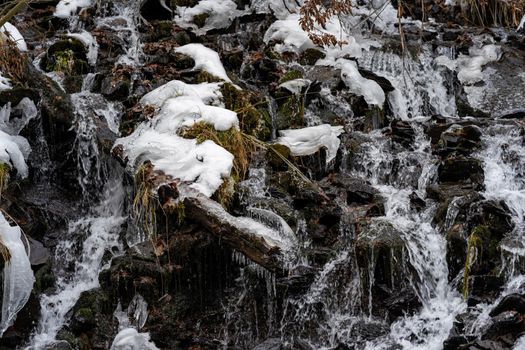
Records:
x=67, y=56
x=462, y=169
x=156, y=10
x=379, y=246
x=460, y=139
x=299, y=280
x=60, y=345
x=416, y=202
x=504, y=323
x=511, y=302
x=484, y=288
x=358, y=191
x=115, y=88
x=270, y=344
x=39, y=254
x=402, y=133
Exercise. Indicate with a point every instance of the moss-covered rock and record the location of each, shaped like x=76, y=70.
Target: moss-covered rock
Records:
x=254, y=120
x=200, y=20
x=67, y=56
x=310, y=56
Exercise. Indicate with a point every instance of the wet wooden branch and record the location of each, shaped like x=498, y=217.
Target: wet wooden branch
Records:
x=234, y=232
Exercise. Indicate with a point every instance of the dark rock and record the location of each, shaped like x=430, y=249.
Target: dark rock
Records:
x=358, y=191
x=416, y=202
x=504, y=323
x=115, y=88
x=402, y=133
x=511, y=302
x=299, y=280
x=460, y=139
x=270, y=344
x=462, y=169
x=310, y=56
x=67, y=56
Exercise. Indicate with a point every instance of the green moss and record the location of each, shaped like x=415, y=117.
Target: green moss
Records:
x=310, y=56
x=253, y=121
x=475, y=243
x=4, y=176
x=290, y=75
x=290, y=113
x=200, y=20
x=232, y=140
x=67, y=56
x=176, y=208
x=276, y=153
x=44, y=278
x=205, y=77
x=85, y=313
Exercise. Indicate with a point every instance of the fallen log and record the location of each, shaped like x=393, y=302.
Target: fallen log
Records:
x=257, y=242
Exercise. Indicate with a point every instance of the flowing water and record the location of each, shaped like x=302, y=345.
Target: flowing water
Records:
x=333, y=310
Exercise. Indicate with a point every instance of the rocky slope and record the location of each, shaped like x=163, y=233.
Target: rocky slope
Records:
x=396, y=223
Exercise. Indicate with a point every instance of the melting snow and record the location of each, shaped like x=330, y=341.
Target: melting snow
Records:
x=469, y=67
x=220, y=13
x=303, y=142
x=205, y=59
x=357, y=84
x=90, y=43
x=15, y=149
x=204, y=165
x=11, y=32
x=68, y=8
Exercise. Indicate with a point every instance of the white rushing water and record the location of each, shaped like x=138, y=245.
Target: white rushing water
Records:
x=101, y=230
x=503, y=157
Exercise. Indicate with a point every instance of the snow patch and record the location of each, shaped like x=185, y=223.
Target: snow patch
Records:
x=295, y=86
x=470, y=67
x=220, y=13
x=5, y=83
x=18, y=275
x=306, y=141
x=12, y=33
x=357, y=84
x=208, y=93
x=205, y=59
x=203, y=165
x=68, y=8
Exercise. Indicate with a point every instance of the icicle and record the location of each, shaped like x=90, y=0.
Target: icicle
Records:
x=18, y=275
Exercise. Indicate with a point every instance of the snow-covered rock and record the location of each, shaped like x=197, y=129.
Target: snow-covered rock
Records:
x=205, y=59
x=306, y=141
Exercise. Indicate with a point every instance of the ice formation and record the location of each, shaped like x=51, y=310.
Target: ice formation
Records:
x=12, y=33
x=205, y=59
x=14, y=149
x=5, y=83
x=18, y=275
x=306, y=141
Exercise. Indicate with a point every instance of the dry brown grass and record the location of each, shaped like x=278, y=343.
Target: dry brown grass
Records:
x=506, y=13
x=12, y=62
